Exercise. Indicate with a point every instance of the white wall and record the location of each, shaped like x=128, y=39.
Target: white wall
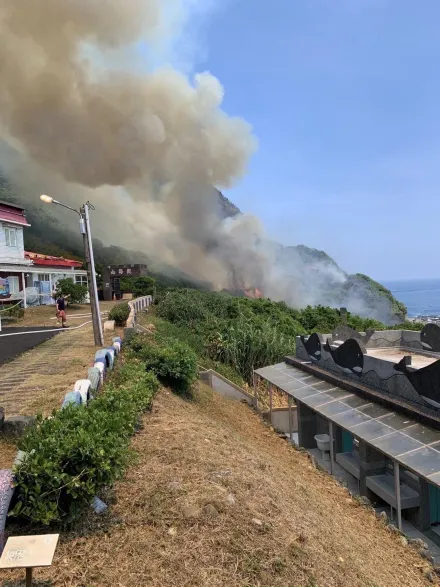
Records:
x=11, y=254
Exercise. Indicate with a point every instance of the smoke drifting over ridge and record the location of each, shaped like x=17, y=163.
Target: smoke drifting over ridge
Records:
x=145, y=148
x=164, y=140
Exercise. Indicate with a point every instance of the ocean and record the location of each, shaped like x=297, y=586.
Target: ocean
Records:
x=421, y=296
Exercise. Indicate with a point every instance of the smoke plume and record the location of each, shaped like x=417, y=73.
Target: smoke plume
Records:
x=162, y=139
x=145, y=146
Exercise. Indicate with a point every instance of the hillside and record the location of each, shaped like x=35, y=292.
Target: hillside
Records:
x=321, y=281
x=216, y=498
x=47, y=236
x=315, y=275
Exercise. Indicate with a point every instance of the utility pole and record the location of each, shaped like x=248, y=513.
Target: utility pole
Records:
x=84, y=226
x=91, y=274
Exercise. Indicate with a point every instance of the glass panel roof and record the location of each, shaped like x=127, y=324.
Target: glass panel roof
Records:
x=412, y=444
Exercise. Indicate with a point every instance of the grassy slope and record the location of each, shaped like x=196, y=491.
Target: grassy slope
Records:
x=185, y=514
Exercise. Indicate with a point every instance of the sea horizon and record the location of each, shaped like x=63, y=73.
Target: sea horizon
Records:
x=420, y=296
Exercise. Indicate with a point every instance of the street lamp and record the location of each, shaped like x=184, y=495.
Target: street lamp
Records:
x=84, y=226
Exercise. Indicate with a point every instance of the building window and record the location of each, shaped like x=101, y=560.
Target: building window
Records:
x=82, y=279
x=14, y=286
x=10, y=236
x=43, y=277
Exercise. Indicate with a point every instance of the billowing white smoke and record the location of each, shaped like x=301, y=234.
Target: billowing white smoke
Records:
x=146, y=147
x=161, y=138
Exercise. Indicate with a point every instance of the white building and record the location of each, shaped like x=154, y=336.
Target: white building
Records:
x=25, y=275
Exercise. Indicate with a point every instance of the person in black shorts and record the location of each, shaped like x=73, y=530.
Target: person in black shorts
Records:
x=61, y=310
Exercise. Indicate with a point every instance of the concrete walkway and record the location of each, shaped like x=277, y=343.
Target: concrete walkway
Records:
x=37, y=380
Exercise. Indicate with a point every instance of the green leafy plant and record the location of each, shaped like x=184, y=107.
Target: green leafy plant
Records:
x=247, y=345
x=173, y=361
x=120, y=314
x=15, y=311
x=245, y=334
x=76, y=292
x=80, y=450
x=143, y=286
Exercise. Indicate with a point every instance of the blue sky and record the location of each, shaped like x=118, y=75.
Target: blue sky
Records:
x=344, y=97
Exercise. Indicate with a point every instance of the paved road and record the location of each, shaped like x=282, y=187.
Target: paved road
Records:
x=12, y=346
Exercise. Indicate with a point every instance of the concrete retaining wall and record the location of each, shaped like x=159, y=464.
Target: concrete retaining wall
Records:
x=278, y=417
x=137, y=305
x=225, y=387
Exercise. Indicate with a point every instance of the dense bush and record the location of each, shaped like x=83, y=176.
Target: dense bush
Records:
x=126, y=284
x=246, y=334
x=195, y=308
x=76, y=292
x=80, y=450
x=183, y=307
x=246, y=346
x=120, y=314
x=324, y=320
x=143, y=286
x=15, y=311
x=172, y=360
x=407, y=325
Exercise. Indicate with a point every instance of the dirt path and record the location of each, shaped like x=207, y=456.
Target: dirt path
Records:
x=217, y=499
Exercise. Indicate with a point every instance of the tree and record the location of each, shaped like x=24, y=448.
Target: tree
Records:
x=77, y=292
x=126, y=284
x=143, y=286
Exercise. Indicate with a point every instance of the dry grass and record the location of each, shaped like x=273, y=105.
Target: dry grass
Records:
x=8, y=452
x=217, y=499
x=45, y=315
x=280, y=399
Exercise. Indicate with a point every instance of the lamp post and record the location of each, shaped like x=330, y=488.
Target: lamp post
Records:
x=84, y=227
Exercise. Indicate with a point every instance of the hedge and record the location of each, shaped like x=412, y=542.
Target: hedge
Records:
x=79, y=451
x=173, y=361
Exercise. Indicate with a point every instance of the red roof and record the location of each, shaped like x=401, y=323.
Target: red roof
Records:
x=48, y=260
x=13, y=214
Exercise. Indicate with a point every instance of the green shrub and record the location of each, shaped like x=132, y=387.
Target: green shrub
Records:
x=183, y=307
x=80, y=450
x=126, y=284
x=15, y=311
x=143, y=286
x=408, y=325
x=246, y=346
x=77, y=292
x=173, y=361
x=120, y=314
x=243, y=333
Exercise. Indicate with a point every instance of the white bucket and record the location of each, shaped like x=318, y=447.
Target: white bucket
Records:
x=323, y=442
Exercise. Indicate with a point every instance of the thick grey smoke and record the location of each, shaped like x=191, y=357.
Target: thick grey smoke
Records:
x=163, y=139
x=146, y=147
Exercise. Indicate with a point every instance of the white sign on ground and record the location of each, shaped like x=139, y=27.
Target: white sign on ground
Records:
x=29, y=551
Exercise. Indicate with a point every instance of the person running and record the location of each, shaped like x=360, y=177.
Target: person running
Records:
x=61, y=310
